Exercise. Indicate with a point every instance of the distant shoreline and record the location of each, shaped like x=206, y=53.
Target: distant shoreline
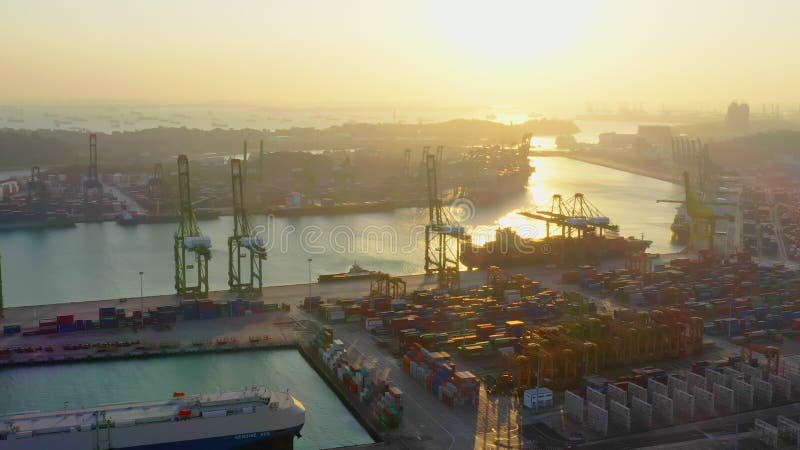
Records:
x=620, y=166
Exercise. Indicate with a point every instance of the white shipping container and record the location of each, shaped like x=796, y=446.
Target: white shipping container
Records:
x=372, y=323
x=543, y=396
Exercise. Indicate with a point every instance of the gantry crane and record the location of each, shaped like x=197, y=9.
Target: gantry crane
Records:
x=772, y=355
x=581, y=208
x=37, y=192
x=525, y=146
x=260, y=187
x=407, y=163
x=560, y=215
x=703, y=218
x=92, y=188
x=188, y=239
x=243, y=244
x=442, y=236
x=155, y=185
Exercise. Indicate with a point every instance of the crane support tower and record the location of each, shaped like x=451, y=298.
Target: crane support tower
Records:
x=442, y=236
x=188, y=239
x=243, y=244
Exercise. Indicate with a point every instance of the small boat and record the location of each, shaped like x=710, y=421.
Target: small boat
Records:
x=356, y=272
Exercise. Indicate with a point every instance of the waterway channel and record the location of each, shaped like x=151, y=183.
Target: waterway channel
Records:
x=103, y=260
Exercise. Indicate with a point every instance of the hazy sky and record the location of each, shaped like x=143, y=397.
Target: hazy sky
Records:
x=544, y=53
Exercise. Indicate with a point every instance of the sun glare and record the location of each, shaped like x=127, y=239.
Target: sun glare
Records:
x=511, y=29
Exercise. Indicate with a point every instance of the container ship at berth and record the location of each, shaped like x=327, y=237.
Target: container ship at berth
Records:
x=356, y=272
x=582, y=235
x=510, y=249
x=255, y=418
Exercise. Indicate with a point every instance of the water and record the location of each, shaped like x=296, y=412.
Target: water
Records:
x=328, y=422
x=103, y=260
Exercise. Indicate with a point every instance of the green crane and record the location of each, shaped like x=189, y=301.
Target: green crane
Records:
x=243, y=244
x=442, y=236
x=188, y=239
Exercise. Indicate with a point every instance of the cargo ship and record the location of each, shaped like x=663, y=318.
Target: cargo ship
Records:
x=510, y=249
x=137, y=218
x=17, y=220
x=254, y=418
x=680, y=226
x=356, y=272
x=332, y=209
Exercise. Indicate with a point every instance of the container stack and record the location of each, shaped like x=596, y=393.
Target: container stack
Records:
x=108, y=317
x=48, y=326
x=9, y=330
x=385, y=400
x=436, y=371
x=66, y=323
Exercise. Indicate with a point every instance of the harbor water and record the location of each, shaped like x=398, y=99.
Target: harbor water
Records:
x=103, y=260
x=47, y=388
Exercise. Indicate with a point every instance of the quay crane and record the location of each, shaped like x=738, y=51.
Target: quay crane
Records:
x=243, y=244
x=154, y=186
x=92, y=188
x=579, y=216
x=37, y=192
x=703, y=218
x=442, y=237
x=189, y=239
x=584, y=209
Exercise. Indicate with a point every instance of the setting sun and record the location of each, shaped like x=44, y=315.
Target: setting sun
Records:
x=513, y=29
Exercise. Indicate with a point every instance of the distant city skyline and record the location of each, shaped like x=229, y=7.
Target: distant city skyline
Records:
x=551, y=57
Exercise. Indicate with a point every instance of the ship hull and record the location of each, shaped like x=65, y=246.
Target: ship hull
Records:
x=339, y=277
x=549, y=251
x=359, y=208
x=263, y=440
x=248, y=419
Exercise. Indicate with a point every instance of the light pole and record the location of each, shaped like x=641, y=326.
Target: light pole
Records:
x=141, y=297
x=309, y=277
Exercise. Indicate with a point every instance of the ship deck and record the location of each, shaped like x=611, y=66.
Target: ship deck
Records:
x=137, y=413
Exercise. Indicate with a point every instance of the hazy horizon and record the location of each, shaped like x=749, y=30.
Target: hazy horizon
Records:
x=551, y=57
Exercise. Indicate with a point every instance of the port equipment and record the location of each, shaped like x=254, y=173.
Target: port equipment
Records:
x=579, y=215
x=259, y=199
x=560, y=355
x=581, y=208
x=772, y=355
x=442, y=236
x=37, y=192
x=155, y=186
x=703, y=218
x=407, y=162
x=92, y=188
x=154, y=183
x=244, y=244
x=189, y=239
x=383, y=284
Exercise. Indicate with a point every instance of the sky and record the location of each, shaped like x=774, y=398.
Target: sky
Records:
x=547, y=54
